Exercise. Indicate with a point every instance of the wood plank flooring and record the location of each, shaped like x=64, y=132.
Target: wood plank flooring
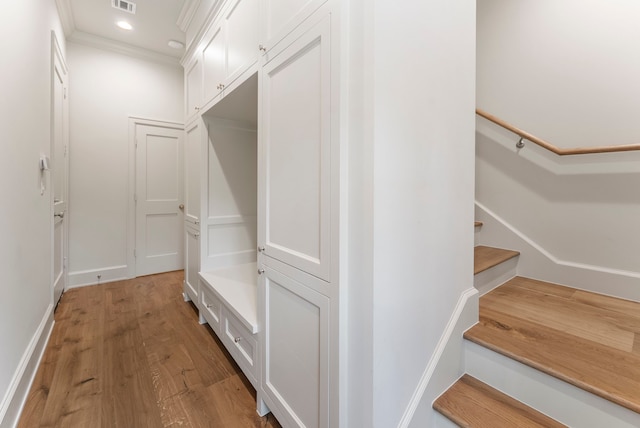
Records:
x=132, y=354
x=487, y=257
x=588, y=340
x=471, y=403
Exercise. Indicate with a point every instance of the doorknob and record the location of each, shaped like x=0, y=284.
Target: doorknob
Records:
x=181, y=206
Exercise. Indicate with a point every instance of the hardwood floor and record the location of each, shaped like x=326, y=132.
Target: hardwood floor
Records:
x=132, y=354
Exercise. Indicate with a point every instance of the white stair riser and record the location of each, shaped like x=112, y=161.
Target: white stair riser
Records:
x=491, y=278
x=557, y=399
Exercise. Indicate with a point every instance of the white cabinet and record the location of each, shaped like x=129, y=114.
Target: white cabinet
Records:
x=192, y=265
x=193, y=87
x=229, y=305
x=213, y=54
x=297, y=201
x=295, y=349
x=280, y=17
x=230, y=48
x=270, y=180
x=241, y=25
x=193, y=160
x=295, y=166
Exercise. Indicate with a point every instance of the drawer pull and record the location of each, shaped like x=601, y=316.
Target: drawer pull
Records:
x=237, y=339
x=209, y=305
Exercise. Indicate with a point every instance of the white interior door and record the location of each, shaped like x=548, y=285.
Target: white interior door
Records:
x=159, y=199
x=59, y=167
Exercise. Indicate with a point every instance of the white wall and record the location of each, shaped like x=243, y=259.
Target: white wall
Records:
x=417, y=152
x=26, y=220
x=581, y=212
x=565, y=71
x=105, y=89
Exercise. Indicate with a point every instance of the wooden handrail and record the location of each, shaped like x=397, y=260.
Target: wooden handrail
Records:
x=551, y=147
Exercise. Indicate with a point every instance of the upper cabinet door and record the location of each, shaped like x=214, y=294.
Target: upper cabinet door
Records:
x=282, y=16
x=193, y=87
x=295, y=160
x=214, y=65
x=242, y=36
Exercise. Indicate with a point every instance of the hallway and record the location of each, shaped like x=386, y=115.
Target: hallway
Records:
x=132, y=354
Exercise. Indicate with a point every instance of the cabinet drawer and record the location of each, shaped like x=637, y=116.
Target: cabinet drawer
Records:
x=210, y=307
x=241, y=344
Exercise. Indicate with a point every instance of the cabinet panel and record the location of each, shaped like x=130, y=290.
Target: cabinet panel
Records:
x=282, y=16
x=242, y=36
x=192, y=263
x=193, y=158
x=193, y=90
x=214, y=67
x=295, y=350
x=295, y=168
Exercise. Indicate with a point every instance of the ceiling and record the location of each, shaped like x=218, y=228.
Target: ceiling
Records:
x=154, y=24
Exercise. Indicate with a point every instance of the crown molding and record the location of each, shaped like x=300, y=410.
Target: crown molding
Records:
x=186, y=14
x=66, y=16
x=91, y=40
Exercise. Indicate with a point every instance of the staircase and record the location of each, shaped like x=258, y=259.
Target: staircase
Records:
x=572, y=355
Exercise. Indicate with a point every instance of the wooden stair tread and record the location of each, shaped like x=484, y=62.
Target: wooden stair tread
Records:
x=585, y=339
x=471, y=403
x=488, y=257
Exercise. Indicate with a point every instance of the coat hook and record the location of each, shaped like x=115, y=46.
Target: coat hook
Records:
x=520, y=143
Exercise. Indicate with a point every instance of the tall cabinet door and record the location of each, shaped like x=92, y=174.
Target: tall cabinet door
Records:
x=295, y=151
x=214, y=68
x=193, y=87
x=295, y=349
x=193, y=158
x=242, y=36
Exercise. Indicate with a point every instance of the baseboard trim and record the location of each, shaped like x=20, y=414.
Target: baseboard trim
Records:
x=441, y=372
x=11, y=407
x=90, y=277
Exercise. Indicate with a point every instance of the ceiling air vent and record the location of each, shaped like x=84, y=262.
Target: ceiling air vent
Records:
x=126, y=6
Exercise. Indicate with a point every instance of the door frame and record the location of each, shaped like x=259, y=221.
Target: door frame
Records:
x=58, y=60
x=134, y=122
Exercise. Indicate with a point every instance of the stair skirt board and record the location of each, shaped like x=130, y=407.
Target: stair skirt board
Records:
x=537, y=263
x=557, y=399
x=447, y=362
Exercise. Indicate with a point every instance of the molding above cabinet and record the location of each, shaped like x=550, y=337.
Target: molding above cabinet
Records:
x=186, y=14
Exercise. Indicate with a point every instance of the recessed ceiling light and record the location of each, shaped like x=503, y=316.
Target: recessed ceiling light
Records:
x=124, y=25
x=175, y=44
